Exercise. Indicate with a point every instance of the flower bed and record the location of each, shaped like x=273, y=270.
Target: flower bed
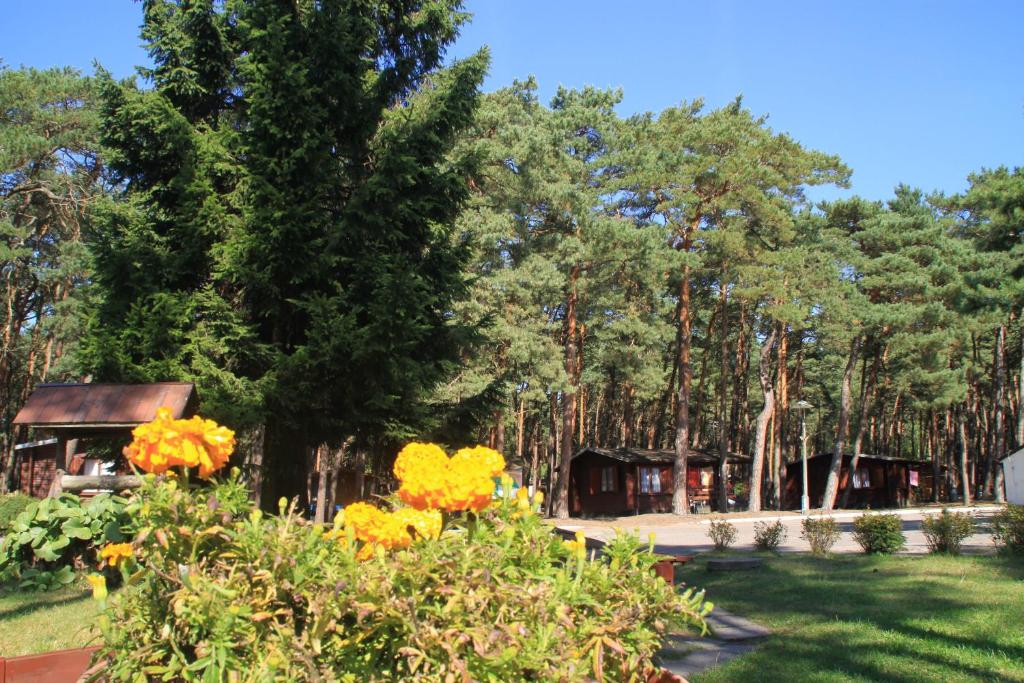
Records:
x=443, y=582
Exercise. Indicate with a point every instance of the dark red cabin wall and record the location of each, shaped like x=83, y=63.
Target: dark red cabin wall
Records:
x=37, y=467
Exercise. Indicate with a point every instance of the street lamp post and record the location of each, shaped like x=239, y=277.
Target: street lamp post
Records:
x=803, y=407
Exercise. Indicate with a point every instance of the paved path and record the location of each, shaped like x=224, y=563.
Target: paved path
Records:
x=731, y=636
x=687, y=535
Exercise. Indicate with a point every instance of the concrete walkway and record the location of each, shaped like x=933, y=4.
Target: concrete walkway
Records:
x=688, y=535
x=731, y=636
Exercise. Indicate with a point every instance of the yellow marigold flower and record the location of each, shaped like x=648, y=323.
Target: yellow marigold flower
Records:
x=362, y=518
x=417, y=457
x=487, y=459
x=113, y=554
x=432, y=480
x=522, y=494
x=538, y=498
x=365, y=553
x=426, y=523
x=468, y=487
x=99, y=586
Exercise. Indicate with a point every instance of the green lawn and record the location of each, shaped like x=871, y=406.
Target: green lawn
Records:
x=860, y=618
x=40, y=622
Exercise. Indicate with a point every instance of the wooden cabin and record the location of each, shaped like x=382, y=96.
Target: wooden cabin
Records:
x=70, y=414
x=880, y=481
x=627, y=481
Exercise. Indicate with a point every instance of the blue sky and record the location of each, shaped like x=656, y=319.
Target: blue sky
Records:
x=912, y=91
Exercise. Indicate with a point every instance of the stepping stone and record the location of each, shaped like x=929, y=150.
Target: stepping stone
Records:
x=730, y=627
x=728, y=564
x=710, y=653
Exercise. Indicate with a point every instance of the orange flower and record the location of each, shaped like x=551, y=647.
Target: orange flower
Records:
x=166, y=442
x=113, y=554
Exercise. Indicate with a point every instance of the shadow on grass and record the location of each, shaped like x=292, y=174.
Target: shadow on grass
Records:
x=42, y=601
x=864, y=618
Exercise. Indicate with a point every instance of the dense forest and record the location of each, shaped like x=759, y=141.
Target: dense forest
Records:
x=346, y=245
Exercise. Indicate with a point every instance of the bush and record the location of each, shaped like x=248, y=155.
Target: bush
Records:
x=722, y=534
x=769, y=536
x=945, y=532
x=215, y=586
x=879, y=533
x=12, y=505
x=1008, y=528
x=52, y=535
x=821, y=534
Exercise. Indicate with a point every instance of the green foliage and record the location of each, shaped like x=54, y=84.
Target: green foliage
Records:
x=52, y=535
x=879, y=533
x=769, y=536
x=946, y=531
x=284, y=225
x=1008, y=528
x=219, y=587
x=49, y=176
x=722, y=533
x=11, y=505
x=821, y=534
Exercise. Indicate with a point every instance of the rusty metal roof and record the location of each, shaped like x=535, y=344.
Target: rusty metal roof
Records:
x=645, y=456
x=104, y=406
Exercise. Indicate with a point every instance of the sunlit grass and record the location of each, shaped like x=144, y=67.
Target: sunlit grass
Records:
x=40, y=622
x=861, y=618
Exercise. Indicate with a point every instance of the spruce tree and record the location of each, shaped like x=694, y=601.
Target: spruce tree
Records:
x=284, y=238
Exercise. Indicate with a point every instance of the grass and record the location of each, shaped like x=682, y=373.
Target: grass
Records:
x=872, y=618
x=40, y=622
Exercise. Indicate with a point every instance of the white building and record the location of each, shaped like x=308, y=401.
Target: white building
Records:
x=1013, y=472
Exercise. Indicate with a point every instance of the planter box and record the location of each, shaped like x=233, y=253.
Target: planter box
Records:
x=62, y=666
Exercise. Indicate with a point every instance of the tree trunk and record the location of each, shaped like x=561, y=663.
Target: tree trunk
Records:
x=680, y=499
x=723, y=397
x=626, y=435
x=965, y=479
x=764, y=376
x=561, y=510
x=782, y=382
x=867, y=394
x=999, y=402
x=323, y=466
x=7, y=483
x=832, y=484
x=1020, y=387
x=740, y=411
x=535, y=457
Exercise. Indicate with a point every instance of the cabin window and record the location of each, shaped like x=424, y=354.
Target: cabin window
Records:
x=861, y=478
x=608, y=479
x=650, y=480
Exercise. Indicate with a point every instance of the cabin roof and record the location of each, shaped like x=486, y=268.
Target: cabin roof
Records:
x=103, y=406
x=869, y=456
x=654, y=456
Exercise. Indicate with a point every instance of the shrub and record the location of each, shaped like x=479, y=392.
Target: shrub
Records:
x=879, y=533
x=722, y=534
x=769, y=536
x=484, y=592
x=1008, y=528
x=821, y=534
x=945, y=532
x=496, y=597
x=11, y=505
x=52, y=535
